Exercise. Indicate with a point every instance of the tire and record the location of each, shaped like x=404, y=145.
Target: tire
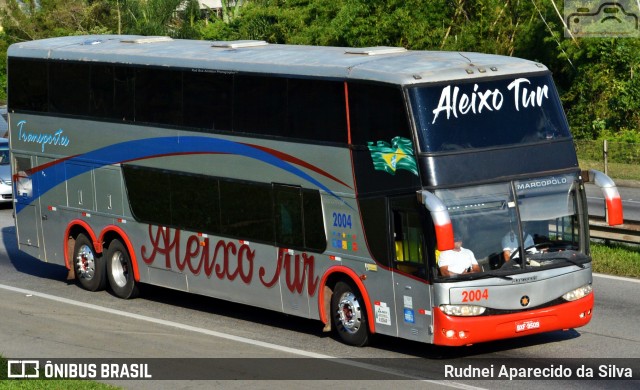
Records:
x=120, y=271
x=88, y=266
x=349, y=315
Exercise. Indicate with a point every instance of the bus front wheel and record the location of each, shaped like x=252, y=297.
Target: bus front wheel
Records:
x=120, y=271
x=89, y=267
x=349, y=315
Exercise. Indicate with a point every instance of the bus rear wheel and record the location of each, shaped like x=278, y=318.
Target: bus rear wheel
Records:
x=120, y=271
x=89, y=267
x=349, y=315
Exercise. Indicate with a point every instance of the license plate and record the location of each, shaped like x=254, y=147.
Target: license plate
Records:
x=527, y=325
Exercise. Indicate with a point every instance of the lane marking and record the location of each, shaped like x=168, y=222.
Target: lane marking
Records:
x=618, y=278
x=239, y=339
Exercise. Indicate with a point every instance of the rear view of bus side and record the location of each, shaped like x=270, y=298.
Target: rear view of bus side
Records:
x=321, y=182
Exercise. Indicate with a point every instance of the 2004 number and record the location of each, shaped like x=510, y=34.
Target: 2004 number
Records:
x=475, y=295
x=342, y=220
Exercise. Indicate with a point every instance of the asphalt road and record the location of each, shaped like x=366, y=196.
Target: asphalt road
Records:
x=45, y=317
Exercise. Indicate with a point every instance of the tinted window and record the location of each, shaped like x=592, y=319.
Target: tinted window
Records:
x=260, y=104
x=207, y=100
x=158, y=96
x=69, y=85
x=28, y=88
x=487, y=114
x=102, y=91
x=317, y=110
x=148, y=195
x=246, y=211
x=377, y=113
x=195, y=202
x=314, y=236
x=305, y=109
x=288, y=216
x=374, y=219
x=124, y=93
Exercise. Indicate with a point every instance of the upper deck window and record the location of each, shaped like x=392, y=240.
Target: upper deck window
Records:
x=484, y=114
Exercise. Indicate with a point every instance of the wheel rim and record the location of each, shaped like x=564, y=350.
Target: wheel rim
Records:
x=119, y=269
x=85, y=262
x=349, y=312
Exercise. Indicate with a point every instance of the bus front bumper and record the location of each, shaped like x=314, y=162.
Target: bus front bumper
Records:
x=458, y=331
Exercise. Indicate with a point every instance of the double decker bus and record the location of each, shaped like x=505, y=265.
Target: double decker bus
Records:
x=321, y=182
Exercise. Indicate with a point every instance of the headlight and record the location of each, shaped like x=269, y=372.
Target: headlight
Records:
x=578, y=293
x=462, y=310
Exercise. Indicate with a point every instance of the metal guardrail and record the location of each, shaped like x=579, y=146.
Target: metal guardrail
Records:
x=627, y=232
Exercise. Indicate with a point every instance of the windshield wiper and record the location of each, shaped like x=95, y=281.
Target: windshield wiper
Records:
x=497, y=275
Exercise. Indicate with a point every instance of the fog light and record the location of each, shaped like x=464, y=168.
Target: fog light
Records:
x=462, y=334
x=450, y=333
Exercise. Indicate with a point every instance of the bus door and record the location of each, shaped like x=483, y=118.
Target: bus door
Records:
x=412, y=292
x=26, y=211
x=52, y=193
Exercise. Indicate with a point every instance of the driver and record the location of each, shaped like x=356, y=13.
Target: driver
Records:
x=510, y=244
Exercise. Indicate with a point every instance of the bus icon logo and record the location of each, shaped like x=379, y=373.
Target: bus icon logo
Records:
x=585, y=18
x=23, y=369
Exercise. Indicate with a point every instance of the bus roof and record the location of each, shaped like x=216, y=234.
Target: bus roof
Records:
x=382, y=64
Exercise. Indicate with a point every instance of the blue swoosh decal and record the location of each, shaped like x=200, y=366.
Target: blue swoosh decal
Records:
x=54, y=174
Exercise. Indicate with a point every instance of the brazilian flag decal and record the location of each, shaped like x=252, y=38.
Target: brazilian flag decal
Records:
x=398, y=155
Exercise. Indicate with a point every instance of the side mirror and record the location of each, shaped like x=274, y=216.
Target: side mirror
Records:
x=613, y=202
x=441, y=219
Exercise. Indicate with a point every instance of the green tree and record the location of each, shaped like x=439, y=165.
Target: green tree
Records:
x=175, y=18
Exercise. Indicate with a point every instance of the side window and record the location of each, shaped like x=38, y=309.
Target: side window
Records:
x=287, y=201
x=409, y=243
x=158, y=96
x=28, y=88
x=314, y=235
x=260, y=104
x=377, y=113
x=246, y=211
x=69, y=85
x=208, y=100
x=298, y=218
x=148, y=195
x=316, y=110
x=195, y=202
x=376, y=227
x=287, y=216
x=102, y=91
x=124, y=93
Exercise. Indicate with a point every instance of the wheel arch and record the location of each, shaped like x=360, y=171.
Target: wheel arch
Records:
x=112, y=232
x=341, y=273
x=74, y=228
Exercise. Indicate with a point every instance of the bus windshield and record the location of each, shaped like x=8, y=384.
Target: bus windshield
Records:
x=497, y=222
x=486, y=114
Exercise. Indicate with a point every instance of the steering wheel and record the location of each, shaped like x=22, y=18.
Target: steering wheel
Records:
x=534, y=246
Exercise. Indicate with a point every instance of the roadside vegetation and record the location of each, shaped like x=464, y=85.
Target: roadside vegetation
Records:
x=616, y=259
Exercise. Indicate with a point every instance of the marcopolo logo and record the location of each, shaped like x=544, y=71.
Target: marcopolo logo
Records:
x=602, y=18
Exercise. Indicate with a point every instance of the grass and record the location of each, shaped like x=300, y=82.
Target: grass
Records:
x=47, y=384
x=616, y=259
x=614, y=170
